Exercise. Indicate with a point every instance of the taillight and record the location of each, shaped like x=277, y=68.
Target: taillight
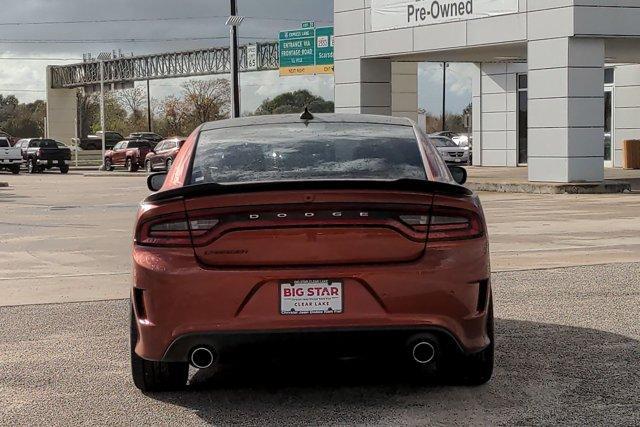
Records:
x=173, y=230
x=417, y=222
x=454, y=224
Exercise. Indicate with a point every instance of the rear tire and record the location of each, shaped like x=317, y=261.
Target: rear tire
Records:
x=15, y=169
x=477, y=369
x=32, y=168
x=64, y=169
x=131, y=166
x=155, y=376
x=108, y=166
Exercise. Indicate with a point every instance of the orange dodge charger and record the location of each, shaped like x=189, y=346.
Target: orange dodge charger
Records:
x=310, y=236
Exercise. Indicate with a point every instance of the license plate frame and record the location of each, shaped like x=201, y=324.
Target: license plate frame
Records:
x=326, y=303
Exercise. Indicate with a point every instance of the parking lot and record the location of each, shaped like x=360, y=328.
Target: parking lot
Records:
x=567, y=289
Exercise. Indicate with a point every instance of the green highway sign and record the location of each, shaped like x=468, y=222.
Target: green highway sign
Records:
x=306, y=51
x=297, y=52
x=308, y=24
x=324, y=50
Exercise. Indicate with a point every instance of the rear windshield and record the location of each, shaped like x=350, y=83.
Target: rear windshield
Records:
x=4, y=143
x=138, y=144
x=319, y=151
x=47, y=143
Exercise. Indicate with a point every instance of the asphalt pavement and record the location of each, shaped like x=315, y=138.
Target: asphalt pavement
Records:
x=567, y=297
x=568, y=354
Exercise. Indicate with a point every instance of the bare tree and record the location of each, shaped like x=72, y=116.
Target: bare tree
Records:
x=133, y=100
x=209, y=100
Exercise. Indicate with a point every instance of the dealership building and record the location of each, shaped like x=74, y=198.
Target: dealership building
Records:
x=555, y=86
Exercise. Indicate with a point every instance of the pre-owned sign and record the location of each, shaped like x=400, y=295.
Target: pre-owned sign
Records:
x=390, y=14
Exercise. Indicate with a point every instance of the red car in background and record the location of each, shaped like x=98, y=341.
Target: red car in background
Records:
x=164, y=154
x=310, y=238
x=131, y=154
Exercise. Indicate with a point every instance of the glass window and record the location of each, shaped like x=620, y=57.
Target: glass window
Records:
x=298, y=151
x=523, y=81
x=48, y=143
x=4, y=143
x=161, y=146
x=609, y=74
x=443, y=143
x=138, y=144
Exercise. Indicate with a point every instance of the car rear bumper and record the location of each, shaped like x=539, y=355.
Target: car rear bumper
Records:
x=176, y=299
x=388, y=342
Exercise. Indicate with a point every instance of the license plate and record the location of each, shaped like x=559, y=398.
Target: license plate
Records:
x=458, y=160
x=300, y=297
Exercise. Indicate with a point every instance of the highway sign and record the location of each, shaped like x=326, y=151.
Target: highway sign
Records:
x=324, y=50
x=306, y=51
x=252, y=57
x=297, y=52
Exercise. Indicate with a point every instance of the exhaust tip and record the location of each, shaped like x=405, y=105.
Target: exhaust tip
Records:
x=424, y=352
x=202, y=358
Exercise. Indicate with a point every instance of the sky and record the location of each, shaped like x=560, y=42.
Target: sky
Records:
x=49, y=30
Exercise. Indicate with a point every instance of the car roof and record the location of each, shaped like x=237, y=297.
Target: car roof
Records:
x=319, y=118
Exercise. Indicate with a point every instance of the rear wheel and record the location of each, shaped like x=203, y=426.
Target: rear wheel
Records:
x=32, y=168
x=477, y=369
x=64, y=169
x=15, y=169
x=155, y=376
x=108, y=165
x=131, y=166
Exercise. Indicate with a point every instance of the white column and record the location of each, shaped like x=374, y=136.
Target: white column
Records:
x=477, y=115
x=404, y=90
x=62, y=110
x=566, y=110
x=361, y=85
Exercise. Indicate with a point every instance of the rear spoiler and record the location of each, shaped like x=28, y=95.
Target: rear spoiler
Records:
x=408, y=185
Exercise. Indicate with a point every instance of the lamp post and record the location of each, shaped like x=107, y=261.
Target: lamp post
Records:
x=233, y=23
x=444, y=96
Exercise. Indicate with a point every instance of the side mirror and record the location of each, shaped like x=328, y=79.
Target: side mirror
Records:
x=459, y=174
x=155, y=181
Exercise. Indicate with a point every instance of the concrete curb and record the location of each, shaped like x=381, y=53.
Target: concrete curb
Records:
x=115, y=174
x=608, y=187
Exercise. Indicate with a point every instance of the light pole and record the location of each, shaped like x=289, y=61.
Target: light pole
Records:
x=444, y=96
x=149, y=107
x=102, y=114
x=233, y=23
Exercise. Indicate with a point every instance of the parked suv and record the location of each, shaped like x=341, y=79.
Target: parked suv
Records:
x=130, y=153
x=164, y=154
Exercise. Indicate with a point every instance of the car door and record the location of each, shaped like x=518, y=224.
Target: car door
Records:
x=156, y=160
x=119, y=153
x=170, y=152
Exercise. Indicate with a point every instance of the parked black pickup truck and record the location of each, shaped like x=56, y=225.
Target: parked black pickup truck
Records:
x=45, y=154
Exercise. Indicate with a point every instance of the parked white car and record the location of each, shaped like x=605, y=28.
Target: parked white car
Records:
x=10, y=157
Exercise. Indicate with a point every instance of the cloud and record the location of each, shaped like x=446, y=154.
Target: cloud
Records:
x=459, y=86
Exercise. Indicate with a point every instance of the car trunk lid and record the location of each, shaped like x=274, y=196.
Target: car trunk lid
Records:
x=308, y=227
